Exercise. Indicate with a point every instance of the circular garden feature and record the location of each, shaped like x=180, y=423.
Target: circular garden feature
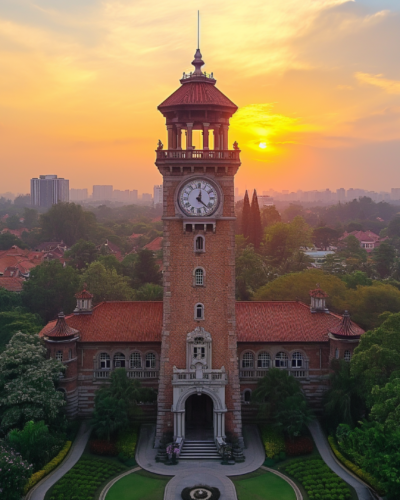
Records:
x=200, y=492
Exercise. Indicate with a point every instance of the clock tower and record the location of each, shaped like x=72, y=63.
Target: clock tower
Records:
x=199, y=388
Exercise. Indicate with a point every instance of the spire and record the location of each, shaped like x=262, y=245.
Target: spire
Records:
x=61, y=329
x=198, y=63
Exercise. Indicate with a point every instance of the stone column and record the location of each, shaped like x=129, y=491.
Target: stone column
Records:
x=174, y=137
x=178, y=137
x=216, y=136
x=225, y=129
x=189, y=136
x=205, y=136
x=170, y=129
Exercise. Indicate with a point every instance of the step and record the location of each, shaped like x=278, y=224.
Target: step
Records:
x=199, y=450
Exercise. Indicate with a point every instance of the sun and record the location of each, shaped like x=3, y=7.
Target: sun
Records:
x=263, y=145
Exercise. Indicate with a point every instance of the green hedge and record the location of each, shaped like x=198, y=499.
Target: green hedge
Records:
x=273, y=440
x=355, y=469
x=83, y=480
x=318, y=480
x=126, y=443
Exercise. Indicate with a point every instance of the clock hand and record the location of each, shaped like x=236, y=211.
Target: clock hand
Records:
x=201, y=201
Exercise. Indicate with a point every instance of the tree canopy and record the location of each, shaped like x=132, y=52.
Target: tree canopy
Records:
x=106, y=284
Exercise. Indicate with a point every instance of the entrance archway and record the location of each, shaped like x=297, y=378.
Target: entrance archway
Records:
x=199, y=417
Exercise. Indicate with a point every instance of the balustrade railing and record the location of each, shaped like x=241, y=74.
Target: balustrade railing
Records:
x=210, y=375
x=142, y=374
x=198, y=154
x=256, y=373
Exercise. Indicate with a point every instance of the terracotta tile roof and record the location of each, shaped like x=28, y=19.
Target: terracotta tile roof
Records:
x=12, y=284
x=84, y=294
x=16, y=232
x=283, y=322
x=197, y=93
x=61, y=329
x=362, y=236
x=346, y=328
x=155, y=245
x=118, y=322
x=318, y=293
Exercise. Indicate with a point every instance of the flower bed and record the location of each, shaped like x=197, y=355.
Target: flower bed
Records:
x=14, y=471
x=103, y=447
x=273, y=441
x=318, y=480
x=301, y=445
x=83, y=480
x=37, y=476
x=355, y=469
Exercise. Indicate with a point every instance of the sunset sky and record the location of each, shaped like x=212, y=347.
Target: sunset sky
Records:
x=317, y=83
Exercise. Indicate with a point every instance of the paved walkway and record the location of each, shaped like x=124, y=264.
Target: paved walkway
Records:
x=254, y=453
x=40, y=490
x=325, y=451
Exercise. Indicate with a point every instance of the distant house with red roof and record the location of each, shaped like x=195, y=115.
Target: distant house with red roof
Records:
x=155, y=245
x=368, y=240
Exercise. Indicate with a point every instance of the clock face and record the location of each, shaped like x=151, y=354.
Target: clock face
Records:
x=198, y=198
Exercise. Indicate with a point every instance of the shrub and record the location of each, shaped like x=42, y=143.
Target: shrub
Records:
x=103, y=447
x=299, y=446
x=126, y=443
x=37, y=476
x=14, y=471
x=83, y=480
x=355, y=469
x=318, y=480
x=273, y=441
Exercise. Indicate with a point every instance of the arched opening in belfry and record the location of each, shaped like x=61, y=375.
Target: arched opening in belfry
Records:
x=199, y=417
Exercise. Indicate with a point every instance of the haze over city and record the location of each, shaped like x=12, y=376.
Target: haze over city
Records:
x=317, y=84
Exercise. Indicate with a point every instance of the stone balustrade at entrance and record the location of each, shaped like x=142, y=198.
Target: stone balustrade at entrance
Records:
x=205, y=376
x=252, y=373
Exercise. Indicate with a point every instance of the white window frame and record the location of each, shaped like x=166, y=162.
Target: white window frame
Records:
x=135, y=360
x=150, y=360
x=263, y=360
x=202, y=246
x=248, y=360
x=199, y=276
x=199, y=307
x=59, y=356
x=105, y=359
x=347, y=355
x=297, y=360
x=281, y=360
x=119, y=360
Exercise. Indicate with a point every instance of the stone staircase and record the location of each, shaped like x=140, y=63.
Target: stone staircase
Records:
x=199, y=450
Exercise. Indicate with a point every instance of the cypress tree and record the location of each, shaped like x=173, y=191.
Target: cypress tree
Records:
x=246, y=217
x=255, y=226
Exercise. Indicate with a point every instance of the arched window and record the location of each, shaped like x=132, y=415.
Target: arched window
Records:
x=150, y=360
x=264, y=360
x=248, y=360
x=119, y=360
x=199, y=244
x=199, y=348
x=347, y=355
x=281, y=360
x=199, y=277
x=105, y=361
x=337, y=353
x=199, y=311
x=135, y=360
x=297, y=360
x=247, y=395
x=59, y=355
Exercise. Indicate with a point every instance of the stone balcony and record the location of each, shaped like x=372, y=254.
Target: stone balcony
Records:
x=257, y=373
x=133, y=374
x=205, y=377
x=198, y=160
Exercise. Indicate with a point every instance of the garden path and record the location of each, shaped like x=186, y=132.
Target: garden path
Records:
x=78, y=447
x=325, y=451
x=254, y=453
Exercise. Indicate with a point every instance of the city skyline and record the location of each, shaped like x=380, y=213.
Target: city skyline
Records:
x=316, y=83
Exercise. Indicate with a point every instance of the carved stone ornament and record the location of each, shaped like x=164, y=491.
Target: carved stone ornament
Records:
x=199, y=332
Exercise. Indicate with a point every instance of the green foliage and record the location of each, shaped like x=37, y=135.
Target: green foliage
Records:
x=50, y=289
x=146, y=269
x=386, y=404
x=106, y=284
x=342, y=402
x=31, y=218
x=377, y=357
x=384, y=256
x=246, y=217
x=110, y=262
x=126, y=443
x=251, y=271
x=16, y=321
x=273, y=440
x=35, y=443
x=149, y=291
x=324, y=236
x=318, y=480
x=7, y=240
x=282, y=402
x=67, y=222
x=13, y=222
x=27, y=384
x=14, y=472
x=110, y=416
x=82, y=254
x=83, y=480
x=270, y=216
x=9, y=300
x=256, y=230
x=297, y=286
x=355, y=279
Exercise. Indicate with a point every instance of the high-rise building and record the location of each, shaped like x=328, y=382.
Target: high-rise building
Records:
x=122, y=196
x=341, y=194
x=78, y=194
x=47, y=190
x=395, y=193
x=133, y=196
x=102, y=193
x=147, y=198
x=158, y=195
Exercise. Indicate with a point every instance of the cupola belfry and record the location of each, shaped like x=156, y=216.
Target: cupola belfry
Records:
x=199, y=241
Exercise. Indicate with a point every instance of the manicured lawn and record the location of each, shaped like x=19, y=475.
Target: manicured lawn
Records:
x=140, y=485
x=262, y=486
